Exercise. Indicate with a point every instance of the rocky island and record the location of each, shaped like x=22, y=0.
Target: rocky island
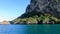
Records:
x=5, y=22
x=40, y=12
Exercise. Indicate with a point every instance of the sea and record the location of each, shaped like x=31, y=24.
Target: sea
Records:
x=30, y=29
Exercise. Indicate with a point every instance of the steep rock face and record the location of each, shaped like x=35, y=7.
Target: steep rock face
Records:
x=40, y=12
x=45, y=6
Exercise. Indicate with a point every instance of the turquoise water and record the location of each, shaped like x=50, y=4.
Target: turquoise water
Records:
x=30, y=29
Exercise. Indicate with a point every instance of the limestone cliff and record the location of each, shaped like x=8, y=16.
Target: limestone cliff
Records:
x=36, y=12
x=45, y=6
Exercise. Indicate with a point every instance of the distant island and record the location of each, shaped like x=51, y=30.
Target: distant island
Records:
x=5, y=22
x=40, y=12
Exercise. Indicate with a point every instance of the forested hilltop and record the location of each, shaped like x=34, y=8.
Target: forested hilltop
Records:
x=40, y=12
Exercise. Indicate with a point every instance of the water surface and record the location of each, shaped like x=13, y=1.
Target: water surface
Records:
x=30, y=29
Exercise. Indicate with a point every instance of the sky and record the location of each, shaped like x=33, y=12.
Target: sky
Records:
x=11, y=9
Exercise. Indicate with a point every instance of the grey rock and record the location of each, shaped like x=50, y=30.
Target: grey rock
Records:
x=45, y=6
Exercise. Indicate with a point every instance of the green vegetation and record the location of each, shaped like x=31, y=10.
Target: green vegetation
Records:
x=43, y=18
